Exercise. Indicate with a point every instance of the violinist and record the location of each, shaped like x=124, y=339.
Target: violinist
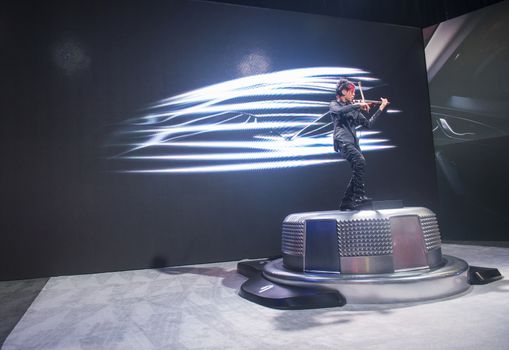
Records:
x=348, y=114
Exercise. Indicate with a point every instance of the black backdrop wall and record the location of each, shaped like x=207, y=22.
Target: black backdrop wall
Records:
x=72, y=73
x=413, y=13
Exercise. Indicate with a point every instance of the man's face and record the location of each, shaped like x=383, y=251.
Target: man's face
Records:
x=349, y=94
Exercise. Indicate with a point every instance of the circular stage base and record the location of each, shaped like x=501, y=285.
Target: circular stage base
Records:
x=446, y=280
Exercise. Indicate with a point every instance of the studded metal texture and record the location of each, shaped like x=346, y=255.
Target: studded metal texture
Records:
x=293, y=238
x=364, y=237
x=431, y=232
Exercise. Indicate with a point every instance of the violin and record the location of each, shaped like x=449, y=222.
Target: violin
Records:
x=369, y=102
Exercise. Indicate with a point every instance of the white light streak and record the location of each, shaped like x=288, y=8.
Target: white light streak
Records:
x=303, y=152
x=222, y=127
x=365, y=79
x=263, y=145
x=366, y=141
x=238, y=167
x=283, y=78
x=290, y=114
x=375, y=148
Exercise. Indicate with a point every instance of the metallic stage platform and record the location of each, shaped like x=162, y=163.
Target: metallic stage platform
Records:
x=365, y=257
x=405, y=286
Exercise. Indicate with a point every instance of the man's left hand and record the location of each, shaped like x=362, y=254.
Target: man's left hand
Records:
x=385, y=102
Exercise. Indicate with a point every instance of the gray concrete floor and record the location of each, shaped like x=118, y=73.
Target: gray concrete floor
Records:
x=197, y=307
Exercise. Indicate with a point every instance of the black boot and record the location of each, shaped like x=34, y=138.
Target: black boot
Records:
x=362, y=202
x=364, y=199
x=346, y=206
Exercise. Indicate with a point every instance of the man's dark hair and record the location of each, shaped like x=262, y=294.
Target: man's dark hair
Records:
x=343, y=84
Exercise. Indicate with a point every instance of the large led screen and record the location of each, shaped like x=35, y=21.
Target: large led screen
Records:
x=166, y=133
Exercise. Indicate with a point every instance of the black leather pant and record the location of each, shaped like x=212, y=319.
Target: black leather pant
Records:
x=356, y=188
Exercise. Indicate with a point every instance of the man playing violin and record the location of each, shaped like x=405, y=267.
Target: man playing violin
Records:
x=347, y=115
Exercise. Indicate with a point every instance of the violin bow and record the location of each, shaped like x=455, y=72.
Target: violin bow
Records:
x=362, y=96
x=360, y=89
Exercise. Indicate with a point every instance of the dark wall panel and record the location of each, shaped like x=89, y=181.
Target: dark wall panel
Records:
x=469, y=90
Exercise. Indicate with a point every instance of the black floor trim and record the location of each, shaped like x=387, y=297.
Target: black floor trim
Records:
x=267, y=293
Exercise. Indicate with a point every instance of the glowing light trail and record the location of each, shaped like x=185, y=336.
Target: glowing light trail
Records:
x=238, y=167
x=280, y=116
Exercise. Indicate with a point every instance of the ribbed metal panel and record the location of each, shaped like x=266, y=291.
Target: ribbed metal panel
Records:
x=293, y=238
x=364, y=237
x=431, y=232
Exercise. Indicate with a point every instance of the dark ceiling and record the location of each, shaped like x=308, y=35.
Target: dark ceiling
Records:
x=415, y=13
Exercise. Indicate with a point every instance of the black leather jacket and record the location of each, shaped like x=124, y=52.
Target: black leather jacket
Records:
x=346, y=117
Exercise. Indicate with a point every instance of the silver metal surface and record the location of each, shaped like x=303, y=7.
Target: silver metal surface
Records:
x=363, y=214
x=366, y=264
x=409, y=250
x=434, y=257
x=405, y=286
x=320, y=246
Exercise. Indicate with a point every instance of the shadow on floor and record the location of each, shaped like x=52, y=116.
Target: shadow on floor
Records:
x=230, y=278
x=15, y=299
x=501, y=286
x=296, y=320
